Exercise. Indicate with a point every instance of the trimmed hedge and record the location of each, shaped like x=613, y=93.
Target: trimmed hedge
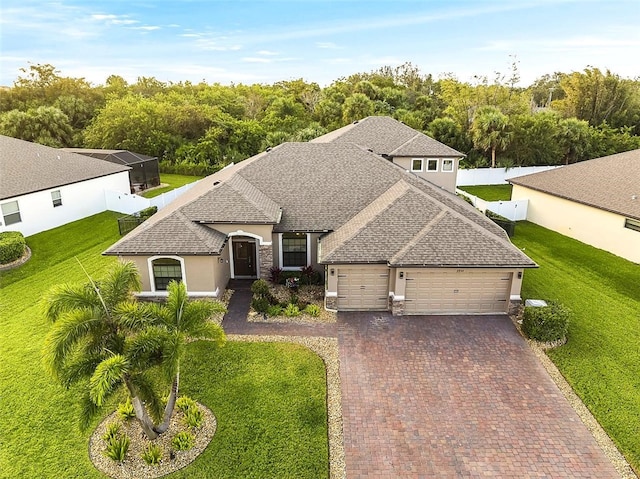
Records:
x=547, y=323
x=12, y=246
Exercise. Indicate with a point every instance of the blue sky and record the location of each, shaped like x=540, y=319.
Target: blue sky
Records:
x=267, y=41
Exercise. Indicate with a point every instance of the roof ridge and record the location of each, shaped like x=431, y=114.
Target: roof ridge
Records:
x=357, y=222
x=405, y=143
x=418, y=236
x=259, y=205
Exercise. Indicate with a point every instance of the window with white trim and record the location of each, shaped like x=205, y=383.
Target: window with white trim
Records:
x=11, y=213
x=416, y=164
x=632, y=224
x=166, y=270
x=447, y=165
x=432, y=164
x=56, y=198
x=294, y=250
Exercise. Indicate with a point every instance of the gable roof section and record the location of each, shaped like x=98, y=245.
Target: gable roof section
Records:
x=386, y=136
x=27, y=167
x=233, y=201
x=120, y=157
x=173, y=234
x=609, y=183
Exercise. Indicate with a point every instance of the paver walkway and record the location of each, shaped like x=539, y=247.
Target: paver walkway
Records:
x=449, y=397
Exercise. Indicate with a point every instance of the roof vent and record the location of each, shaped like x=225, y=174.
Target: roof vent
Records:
x=216, y=183
x=268, y=149
x=355, y=122
x=634, y=197
x=370, y=149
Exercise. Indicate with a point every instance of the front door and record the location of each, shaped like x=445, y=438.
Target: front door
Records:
x=244, y=258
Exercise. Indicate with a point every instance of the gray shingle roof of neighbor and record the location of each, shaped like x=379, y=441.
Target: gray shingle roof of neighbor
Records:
x=610, y=183
x=27, y=167
x=121, y=157
x=386, y=136
x=371, y=207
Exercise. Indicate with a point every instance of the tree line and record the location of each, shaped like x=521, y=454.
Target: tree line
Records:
x=198, y=128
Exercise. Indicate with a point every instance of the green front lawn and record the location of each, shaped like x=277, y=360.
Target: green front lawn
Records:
x=173, y=182
x=601, y=360
x=269, y=398
x=489, y=192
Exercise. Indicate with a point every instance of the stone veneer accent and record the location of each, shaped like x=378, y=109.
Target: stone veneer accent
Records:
x=266, y=261
x=331, y=302
x=397, y=307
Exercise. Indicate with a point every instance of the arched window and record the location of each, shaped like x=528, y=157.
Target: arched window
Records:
x=166, y=270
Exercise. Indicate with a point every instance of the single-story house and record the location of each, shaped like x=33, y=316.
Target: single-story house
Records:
x=144, y=172
x=382, y=237
x=42, y=187
x=411, y=149
x=595, y=201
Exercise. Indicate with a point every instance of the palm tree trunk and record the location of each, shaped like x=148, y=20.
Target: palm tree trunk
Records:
x=145, y=421
x=493, y=157
x=171, y=403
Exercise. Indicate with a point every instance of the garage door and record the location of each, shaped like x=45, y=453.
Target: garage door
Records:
x=363, y=289
x=457, y=291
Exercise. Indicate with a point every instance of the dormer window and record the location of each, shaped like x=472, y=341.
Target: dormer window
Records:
x=416, y=164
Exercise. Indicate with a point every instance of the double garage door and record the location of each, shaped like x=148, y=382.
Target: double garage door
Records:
x=450, y=291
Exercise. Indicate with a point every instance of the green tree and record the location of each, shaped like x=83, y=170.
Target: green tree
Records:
x=535, y=139
x=573, y=138
x=45, y=125
x=103, y=340
x=448, y=131
x=490, y=131
x=357, y=107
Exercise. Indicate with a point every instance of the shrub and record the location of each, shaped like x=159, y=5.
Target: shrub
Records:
x=117, y=448
x=12, y=246
x=547, y=323
x=126, y=411
x=306, y=274
x=261, y=305
x=291, y=310
x=260, y=288
x=193, y=417
x=152, y=454
x=185, y=403
x=275, y=310
x=312, y=310
x=111, y=432
x=183, y=441
x=495, y=216
x=147, y=212
x=466, y=198
x=275, y=274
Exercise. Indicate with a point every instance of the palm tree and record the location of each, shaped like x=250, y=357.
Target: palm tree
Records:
x=490, y=131
x=103, y=339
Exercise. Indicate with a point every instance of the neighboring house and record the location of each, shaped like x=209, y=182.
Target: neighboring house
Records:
x=144, y=172
x=42, y=187
x=412, y=150
x=382, y=237
x=595, y=201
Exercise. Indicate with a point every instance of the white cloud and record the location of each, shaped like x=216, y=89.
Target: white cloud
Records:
x=267, y=52
x=327, y=45
x=257, y=60
x=148, y=28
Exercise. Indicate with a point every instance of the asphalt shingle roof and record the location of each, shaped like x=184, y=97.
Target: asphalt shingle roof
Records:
x=121, y=157
x=27, y=167
x=609, y=183
x=386, y=136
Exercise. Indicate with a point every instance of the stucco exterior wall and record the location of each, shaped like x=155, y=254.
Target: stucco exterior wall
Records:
x=599, y=228
x=79, y=200
x=443, y=179
x=263, y=231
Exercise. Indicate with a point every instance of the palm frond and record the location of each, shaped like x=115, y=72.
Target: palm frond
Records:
x=108, y=375
x=88, y=411
x=66, y=333
x=208, y=330
x=80, y=366
x=63, y=298
x=146, y=349
x=119, y=282
x=172, y=352
x=176, y=301
x=197, y=313
x=136, y=316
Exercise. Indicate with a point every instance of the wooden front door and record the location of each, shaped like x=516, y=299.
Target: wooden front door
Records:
x=244, y=258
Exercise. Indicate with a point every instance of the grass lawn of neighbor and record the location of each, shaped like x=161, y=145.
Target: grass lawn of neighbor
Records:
x=601, y=359
x=489, y=192
x=269, y=398
x=173, y=182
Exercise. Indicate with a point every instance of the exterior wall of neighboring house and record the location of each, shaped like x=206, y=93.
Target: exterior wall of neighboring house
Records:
x=593, y=226
x=435, y=170
x=76, y=201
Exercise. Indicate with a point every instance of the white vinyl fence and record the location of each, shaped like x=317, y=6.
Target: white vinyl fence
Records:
x=513, y=210
x=130, y=203
x=496, y=176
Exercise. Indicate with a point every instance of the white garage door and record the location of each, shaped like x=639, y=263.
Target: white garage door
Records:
x=363, y=289
x=451, y=291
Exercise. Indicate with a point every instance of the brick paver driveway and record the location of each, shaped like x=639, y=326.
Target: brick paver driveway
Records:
x=454, y=396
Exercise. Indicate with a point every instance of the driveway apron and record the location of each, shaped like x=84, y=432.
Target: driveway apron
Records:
x=454, y=396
